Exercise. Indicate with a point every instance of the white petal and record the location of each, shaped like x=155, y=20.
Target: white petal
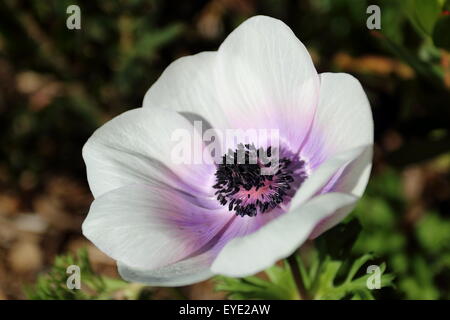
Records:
x=278, y=239
x=187, y=86
x=320, y=176
x=136, y=147
x=266, y=79
x=182, y=273
x=149, y=226
x=352, y=180
x=343, y=118
x=197, y=266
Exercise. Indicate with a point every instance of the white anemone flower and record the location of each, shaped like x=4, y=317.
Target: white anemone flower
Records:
x=170, y=224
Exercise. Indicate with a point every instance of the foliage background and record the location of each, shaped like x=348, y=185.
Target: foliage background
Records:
x=58, y=85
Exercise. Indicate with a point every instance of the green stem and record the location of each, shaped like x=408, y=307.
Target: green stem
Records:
x=293, y=264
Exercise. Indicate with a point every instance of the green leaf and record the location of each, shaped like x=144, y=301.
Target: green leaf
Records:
x=320, y=280
x=52, y=286
x=433, y=233
x=423, y=14
x=280, y=285
x=419, y=66
x=356, y=288
x=419, y=284
x=357, y=265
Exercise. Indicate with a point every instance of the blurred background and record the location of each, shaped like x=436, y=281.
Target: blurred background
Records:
x=58, y=85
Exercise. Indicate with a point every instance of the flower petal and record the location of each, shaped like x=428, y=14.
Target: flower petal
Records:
x=278, y=239
x=343, y=118
x=137, y=147
x=352, y=180
x=267, y=79
x=182, y=273
x=197, y=266
x=187, y=86
x=322, y=175
x=150, y=226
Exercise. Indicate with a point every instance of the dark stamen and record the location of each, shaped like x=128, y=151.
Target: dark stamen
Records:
x=239, y=180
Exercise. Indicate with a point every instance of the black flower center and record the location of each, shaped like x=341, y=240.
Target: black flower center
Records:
x=244, y=186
